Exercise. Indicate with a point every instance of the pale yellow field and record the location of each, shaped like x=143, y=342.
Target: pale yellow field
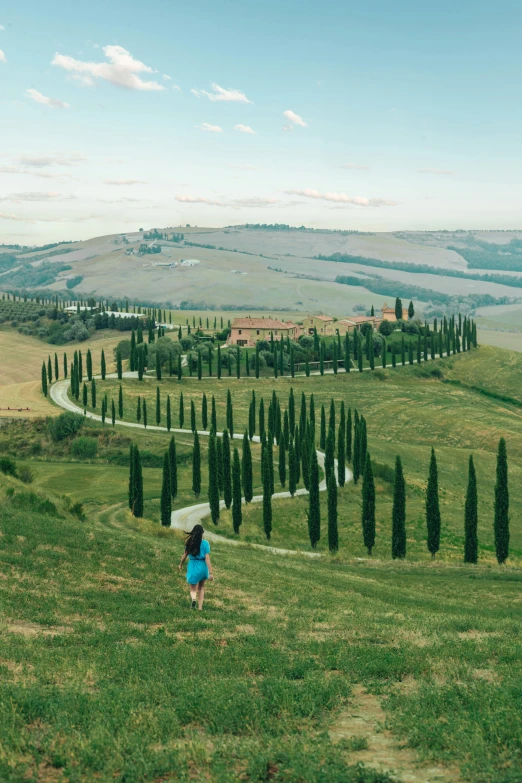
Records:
x=21, y=364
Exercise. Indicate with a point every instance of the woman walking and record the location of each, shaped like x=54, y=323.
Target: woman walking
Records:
x=197, y=550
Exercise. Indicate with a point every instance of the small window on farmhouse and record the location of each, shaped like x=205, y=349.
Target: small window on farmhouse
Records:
x=275, y=331
x=239, y=331
x=258, y=331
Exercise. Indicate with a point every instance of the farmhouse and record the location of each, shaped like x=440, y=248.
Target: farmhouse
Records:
x=388, y=313
x=319, y=322
x=342, y=326
x=247, y=331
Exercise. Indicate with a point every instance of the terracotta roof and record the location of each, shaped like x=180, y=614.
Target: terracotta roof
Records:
x=322, y=317
x=360, y=319
x=261, y=323
x=345, y=321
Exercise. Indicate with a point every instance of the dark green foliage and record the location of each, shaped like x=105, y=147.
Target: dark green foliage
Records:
x=158, y=405
x=120, y=402
x=64, y=426
x=204, y=411
x=219, y=451
x=44, y=379
x=267, y=494
x=113, y=412
x=230, y=414
x=282, y=462
x=181, y=415
x=200, y=366
x=136, y=487
x=368, y=506
x=261, y=418
x=193, y=426
x=471, y=516
x=166, y=496
x=252, y=416
x=329, y=457
x=322, y=431
x=411, y=310
x=173, y=465
x=103, y=365
x=213, y=485
x=363, y=439
x=168, y=414
x=399, y=512
x=432, y=507
x=349, y=435
x=49, y=369
x=398, y=309
x=56, y=367
x=246, y=469
x=341, y=455
x=314, y=508
x=158, y=366
x=237, y=513
x=196, y=465
x=213, y=415
x=331, y=418
x=333, y=532
x=84, y=447
x=292, y=468
x=501, y=519
x=119, y=366
x=227, y=477
x=144, y=409
x=138, y=410
x=8, y=467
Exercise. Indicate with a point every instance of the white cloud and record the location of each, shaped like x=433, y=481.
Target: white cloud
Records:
x=122, y=69
x=441, y=172
x=241, y=166
x=342, y=198
x=255, y=202
x=288, y=127
x=176, y=87
x=3, y=58
x=200, y=200
x=35, y=196
x=244, y=129
x=205, y=126
x=125, y=182
x=2, y=27
x=355, y=166
x=167, y=77
x=41, y=161
x=291, y=116
x=53, y=103
x=222, y=94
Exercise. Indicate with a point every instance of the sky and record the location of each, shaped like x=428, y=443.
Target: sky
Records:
x=374, y=116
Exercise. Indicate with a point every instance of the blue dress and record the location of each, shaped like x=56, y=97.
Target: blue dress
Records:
x=197, y=568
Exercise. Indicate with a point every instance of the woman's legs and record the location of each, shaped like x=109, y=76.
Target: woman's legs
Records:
x=201, y=593
x=193, y=591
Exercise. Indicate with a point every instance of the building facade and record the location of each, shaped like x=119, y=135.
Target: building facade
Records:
x=319, y=322
x=248, y=331
x=388, y=313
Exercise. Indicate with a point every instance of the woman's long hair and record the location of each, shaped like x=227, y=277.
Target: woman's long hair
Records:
x=193, y=540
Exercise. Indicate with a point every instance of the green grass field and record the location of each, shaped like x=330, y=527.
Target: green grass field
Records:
x=340, y=669
x=107, y=675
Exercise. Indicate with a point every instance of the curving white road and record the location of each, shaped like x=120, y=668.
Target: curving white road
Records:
x=185, y=518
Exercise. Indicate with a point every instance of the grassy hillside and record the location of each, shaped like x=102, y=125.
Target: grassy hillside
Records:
x=460, y=405
x=107, y=675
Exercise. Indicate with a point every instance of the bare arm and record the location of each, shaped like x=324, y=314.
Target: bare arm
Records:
x=209, y=566
x=182, y=560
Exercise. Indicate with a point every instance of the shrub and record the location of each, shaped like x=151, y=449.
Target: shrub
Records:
x=8, y=466
x=25, y=474
x=84, y=448
x=64, y=425
x=77, y=511
x=30, y=500
x=384, y=472
x=386, y=328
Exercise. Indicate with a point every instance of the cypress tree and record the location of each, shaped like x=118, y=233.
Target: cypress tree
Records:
x=158, y=366
x=246, y=470
x=349, y=435
x=252, y=416
x=138, y=410
x=418, y=349
x=119, y=367
x=314, y=509
x=292, y=473
x=410, y=351
x=305, y=457
x=44, y=380
x=213, y=486
x=432, y=507
x=180, y=370
x=137, y=480
x=173, y=465
x=120, y=402
x=169, y=414
x=333, y=532
x=257, y=360
x=104, y=410
x=204, y=412
x=403, y=351
x=321, y=358
x=398, y=309
x=267, y=494
x=84, y=397
x=359, y=354
x=282, y=462
x=341, y=455
x=158, y=406
x=384, y=349
x=322, y=431
x=286, y=428
x=196, y=466
x=411, y=310
x=363, y=441
x=329, y=458
x=371, y=350
x=356, y=464
x=261, y=418
x=103, y=365
x=501, y=519
x=237, y=513
x=93, y=393
x=131, y=477
x=49, y=369
x=56, y=368
x=227, y=478
x=331, y=417
x=471, y=517
x=347, y=360
x=219, y=366
x=399, y=512
x=213, y=415
x=270, y=450
x=238, y=362
x=334, y=358
x=192, y=416
x=132, y=357
x=141, y=364
x=88, y=364
x=166, y=496
x=144, y=409
x=65, y=365
x=312, y=411
x=368, y=506
x=230, y=414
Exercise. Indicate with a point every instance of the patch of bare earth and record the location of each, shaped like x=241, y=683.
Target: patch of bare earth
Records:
x=361, y=727
x=33, y=629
